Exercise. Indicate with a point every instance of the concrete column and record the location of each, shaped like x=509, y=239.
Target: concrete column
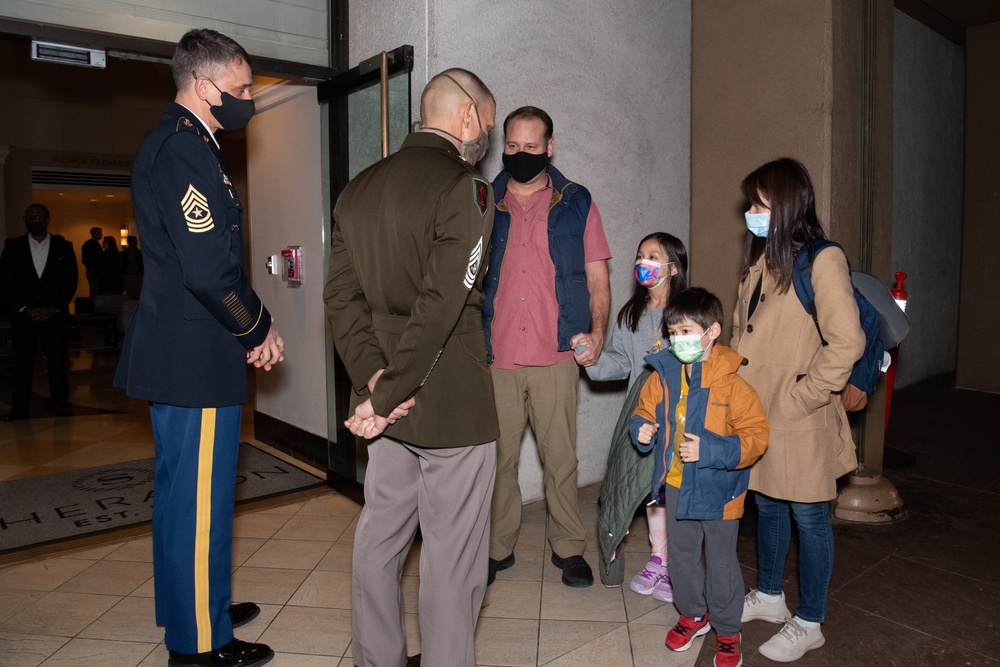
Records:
x=781, y=77
x=979, y=309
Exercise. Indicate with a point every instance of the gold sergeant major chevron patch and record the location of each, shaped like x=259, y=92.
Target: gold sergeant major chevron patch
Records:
x=196, y=211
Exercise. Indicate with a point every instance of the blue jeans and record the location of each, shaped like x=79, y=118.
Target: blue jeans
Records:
x=815, y=551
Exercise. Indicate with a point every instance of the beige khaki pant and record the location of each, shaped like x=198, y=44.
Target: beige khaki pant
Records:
x=447, y=493
x=545, y=397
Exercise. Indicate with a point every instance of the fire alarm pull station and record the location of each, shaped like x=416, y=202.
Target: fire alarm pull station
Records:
x=291, y=263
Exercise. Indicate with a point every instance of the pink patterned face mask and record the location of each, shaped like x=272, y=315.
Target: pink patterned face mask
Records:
x=648, y=273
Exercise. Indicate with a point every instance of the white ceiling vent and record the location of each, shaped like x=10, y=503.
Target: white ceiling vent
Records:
x=68, y=54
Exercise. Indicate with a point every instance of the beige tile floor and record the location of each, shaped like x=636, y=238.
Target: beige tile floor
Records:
x=95, y=606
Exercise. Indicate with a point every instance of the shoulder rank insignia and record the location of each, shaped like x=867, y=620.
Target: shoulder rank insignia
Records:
x=472, y=269
x=196, y=212
x=481, y=194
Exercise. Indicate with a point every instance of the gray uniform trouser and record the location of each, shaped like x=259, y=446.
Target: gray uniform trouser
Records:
x=715, y=587
x=446, y=492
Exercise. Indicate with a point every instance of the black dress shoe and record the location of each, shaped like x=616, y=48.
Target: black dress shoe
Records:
x=413, y=660
x=233, y=654
x=242, y=613
x=63, y=411
x=496, y=566
x=15, y=415
x=576, y=572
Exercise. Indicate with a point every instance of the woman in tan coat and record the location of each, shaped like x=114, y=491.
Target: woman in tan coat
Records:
x=798, y=379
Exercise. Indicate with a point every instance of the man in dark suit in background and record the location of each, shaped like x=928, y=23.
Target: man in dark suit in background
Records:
x=38, y=275
x=92, y=256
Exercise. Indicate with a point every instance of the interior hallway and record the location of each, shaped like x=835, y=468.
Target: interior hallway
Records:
x=924, y=591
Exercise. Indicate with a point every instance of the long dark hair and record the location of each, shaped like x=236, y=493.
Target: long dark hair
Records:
x=786, y=185
x=636, y=305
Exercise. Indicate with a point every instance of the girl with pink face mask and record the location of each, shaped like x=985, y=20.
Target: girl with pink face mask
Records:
x=660, y=272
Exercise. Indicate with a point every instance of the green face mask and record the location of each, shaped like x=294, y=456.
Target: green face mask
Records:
x=688, y=348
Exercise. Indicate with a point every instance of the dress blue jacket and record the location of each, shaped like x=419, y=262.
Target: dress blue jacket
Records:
x=568, y=213
x=198, y=315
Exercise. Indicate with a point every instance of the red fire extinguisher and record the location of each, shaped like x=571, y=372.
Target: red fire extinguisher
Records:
x=899, y=294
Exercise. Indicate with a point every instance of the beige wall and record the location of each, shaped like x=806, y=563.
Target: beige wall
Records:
x=774, y=78
x=761, y=89
x=979, y=310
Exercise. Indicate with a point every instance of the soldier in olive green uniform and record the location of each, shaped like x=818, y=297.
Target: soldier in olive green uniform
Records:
x=404, y=297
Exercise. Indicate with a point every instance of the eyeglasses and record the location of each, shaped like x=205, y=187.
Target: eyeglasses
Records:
x=35, y=218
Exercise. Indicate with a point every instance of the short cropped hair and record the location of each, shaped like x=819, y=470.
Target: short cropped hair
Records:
x=696, y=304
x=529, y=113
x=473, y=84
x=95, y=229
x=204, y=52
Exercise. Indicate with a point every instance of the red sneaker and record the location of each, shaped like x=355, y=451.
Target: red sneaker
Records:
x=682, y=635
x=727, y=653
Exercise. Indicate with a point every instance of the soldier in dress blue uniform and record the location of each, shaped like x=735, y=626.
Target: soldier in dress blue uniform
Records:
x=197, y=324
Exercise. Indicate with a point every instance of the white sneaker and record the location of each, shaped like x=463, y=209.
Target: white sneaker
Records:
x=792, y=642
x=755, y=608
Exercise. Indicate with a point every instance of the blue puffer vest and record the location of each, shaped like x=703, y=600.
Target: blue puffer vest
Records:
x=568, y=212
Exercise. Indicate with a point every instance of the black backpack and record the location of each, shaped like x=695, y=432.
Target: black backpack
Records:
x=885, y=325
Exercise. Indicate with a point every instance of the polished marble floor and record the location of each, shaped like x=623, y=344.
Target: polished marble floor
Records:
x=922, y=591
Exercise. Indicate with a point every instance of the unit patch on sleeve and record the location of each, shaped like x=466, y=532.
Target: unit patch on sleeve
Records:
x=196, y=212
x=472, y=270
x=481, y=193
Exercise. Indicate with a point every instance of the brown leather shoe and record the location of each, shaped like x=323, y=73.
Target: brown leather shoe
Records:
x=234, y=654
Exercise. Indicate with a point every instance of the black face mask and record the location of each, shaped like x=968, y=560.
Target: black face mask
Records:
x=523, y=167
x=233, y=114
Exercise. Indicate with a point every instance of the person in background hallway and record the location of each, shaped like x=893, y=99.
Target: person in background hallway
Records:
x=198, y=323
x=799, y=378
x=547, y=296
x=132, y=261
x=112, y=276
x=38, y=274
x=404, y=297
x=660, y=273
x=92, y=255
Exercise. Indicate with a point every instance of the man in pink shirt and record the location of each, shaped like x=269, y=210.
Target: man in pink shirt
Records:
x=547, y=303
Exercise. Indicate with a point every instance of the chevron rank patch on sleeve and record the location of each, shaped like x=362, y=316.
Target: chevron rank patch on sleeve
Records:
x=196, y=212
x=472, y=270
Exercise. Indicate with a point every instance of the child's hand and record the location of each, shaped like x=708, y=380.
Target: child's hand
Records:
x=690, y=447
x=646, y=433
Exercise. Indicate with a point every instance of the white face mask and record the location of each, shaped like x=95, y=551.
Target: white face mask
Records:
x=758, y=223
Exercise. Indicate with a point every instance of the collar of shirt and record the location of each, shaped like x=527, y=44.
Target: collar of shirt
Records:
x=205, y=126
x=542, y=194
x=39, y=252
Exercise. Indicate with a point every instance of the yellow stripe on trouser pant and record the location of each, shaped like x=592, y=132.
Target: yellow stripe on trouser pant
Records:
x=196, y=451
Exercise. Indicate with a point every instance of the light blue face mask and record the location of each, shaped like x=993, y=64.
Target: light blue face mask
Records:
x=758, y=223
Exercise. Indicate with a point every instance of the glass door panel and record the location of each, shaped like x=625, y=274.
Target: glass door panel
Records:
x=354, y=103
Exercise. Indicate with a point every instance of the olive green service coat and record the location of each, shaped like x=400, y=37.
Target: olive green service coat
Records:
x=810, y=444
x=405, y=291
